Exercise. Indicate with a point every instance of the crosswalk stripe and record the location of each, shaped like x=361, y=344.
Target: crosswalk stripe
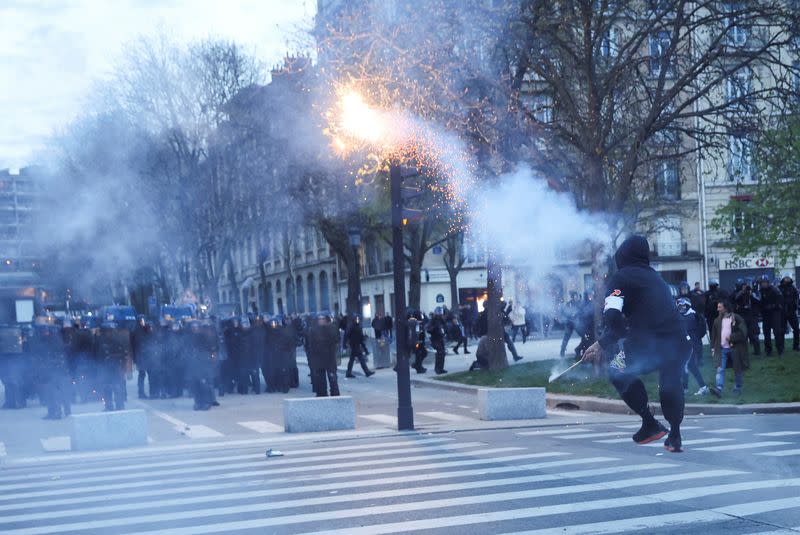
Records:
x=638, y=523
x=685, y=494
x=660, y=444
x=783, y=531
x=747, y=446
x=552, y=431
x=140, y=466
x=324, y=459
x=380, y=480
x=262, y=426
x=779, y=453
x=372, y=495
x=350, y=513
x=189, y=447
x=380, y=418
x=779, y=434
x=250, y=474
x=198, y=431
x=445, y=416
x=427, y=523
x=615, y=526
x=591, y=435
x=726, y=430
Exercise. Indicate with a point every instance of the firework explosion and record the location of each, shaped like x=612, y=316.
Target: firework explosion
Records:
x=393, y=135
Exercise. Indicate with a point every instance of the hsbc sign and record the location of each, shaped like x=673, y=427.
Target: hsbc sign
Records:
x=746, y=263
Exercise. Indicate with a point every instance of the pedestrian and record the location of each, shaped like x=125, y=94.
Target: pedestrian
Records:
x=481, y=355
x=569, y=317
x=696, y=329
x=639, y=308
x=321, y=345
x=456, y=333
x=506, y=326
x=388, y=327
x=378, y=326
x=745, y=306
x=437, y=332
x=139, y=358
x=790, y=302
x=729, y=346
x=770, y=304
x=517, y=317
x=354, y=339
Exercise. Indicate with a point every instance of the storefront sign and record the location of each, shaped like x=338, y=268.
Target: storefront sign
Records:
x=747, y=263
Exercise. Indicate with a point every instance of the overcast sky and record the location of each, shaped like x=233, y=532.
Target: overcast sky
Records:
x=51, y=51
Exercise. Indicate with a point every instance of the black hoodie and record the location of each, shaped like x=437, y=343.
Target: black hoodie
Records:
x=639, y=305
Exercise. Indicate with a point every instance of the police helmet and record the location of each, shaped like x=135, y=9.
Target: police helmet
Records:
x=713, y=282
x=787, y=275
x=764, y=278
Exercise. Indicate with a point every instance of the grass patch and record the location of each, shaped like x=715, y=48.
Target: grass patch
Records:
x=769, y=380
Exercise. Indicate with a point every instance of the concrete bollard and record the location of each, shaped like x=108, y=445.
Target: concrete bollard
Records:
x=306, y=415
x=512, y=403
x=108, y=430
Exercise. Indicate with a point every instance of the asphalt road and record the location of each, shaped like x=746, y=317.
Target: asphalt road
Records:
x=206, y=472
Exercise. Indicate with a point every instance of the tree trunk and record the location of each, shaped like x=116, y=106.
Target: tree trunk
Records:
x=353, y=302
x=453, y=290
x=494, y=315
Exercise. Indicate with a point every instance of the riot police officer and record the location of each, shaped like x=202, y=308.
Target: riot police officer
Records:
x=112, y=348
x=436, y=329
x=232, y=336
x=201, y=348
x=141, y=331
x=321, y=344
x=13, y=361
x=252, y=340
x=416, y=341
x=770, y=302
x=744, y=305
x=790, y=298
x=711, y=298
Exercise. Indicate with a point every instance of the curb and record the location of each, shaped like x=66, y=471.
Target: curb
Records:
x=615, y=406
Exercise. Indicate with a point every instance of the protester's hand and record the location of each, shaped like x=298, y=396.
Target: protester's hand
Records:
x=593, y=353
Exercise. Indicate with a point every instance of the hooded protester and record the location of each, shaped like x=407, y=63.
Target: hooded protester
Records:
x=696, y=329
x=745, y=306
x=640, y=308
x=354, y=338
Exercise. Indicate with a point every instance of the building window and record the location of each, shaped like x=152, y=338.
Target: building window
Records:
x=741, y=220
x=608, y=44
x=739, y=86
x=740, y=166
x=540, y=107
x=737, y=33
x=668, y=184
x=660, y=43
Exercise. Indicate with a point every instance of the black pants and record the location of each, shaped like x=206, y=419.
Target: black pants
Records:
x=321, y=376
x=791, y=319
x=461, y=340
x=438, y=362
x=113, y=386
x=752, y=331
x=669, y=358
x=361, y=360
x=140, y=382
x=249, y=377
x=510, y=344
x=419, y=356
x=772, y=322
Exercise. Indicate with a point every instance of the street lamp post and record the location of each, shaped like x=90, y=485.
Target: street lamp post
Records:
x=354, y=235
x=405, y=412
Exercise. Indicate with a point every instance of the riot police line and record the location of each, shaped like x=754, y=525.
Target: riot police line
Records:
x=66, y=361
